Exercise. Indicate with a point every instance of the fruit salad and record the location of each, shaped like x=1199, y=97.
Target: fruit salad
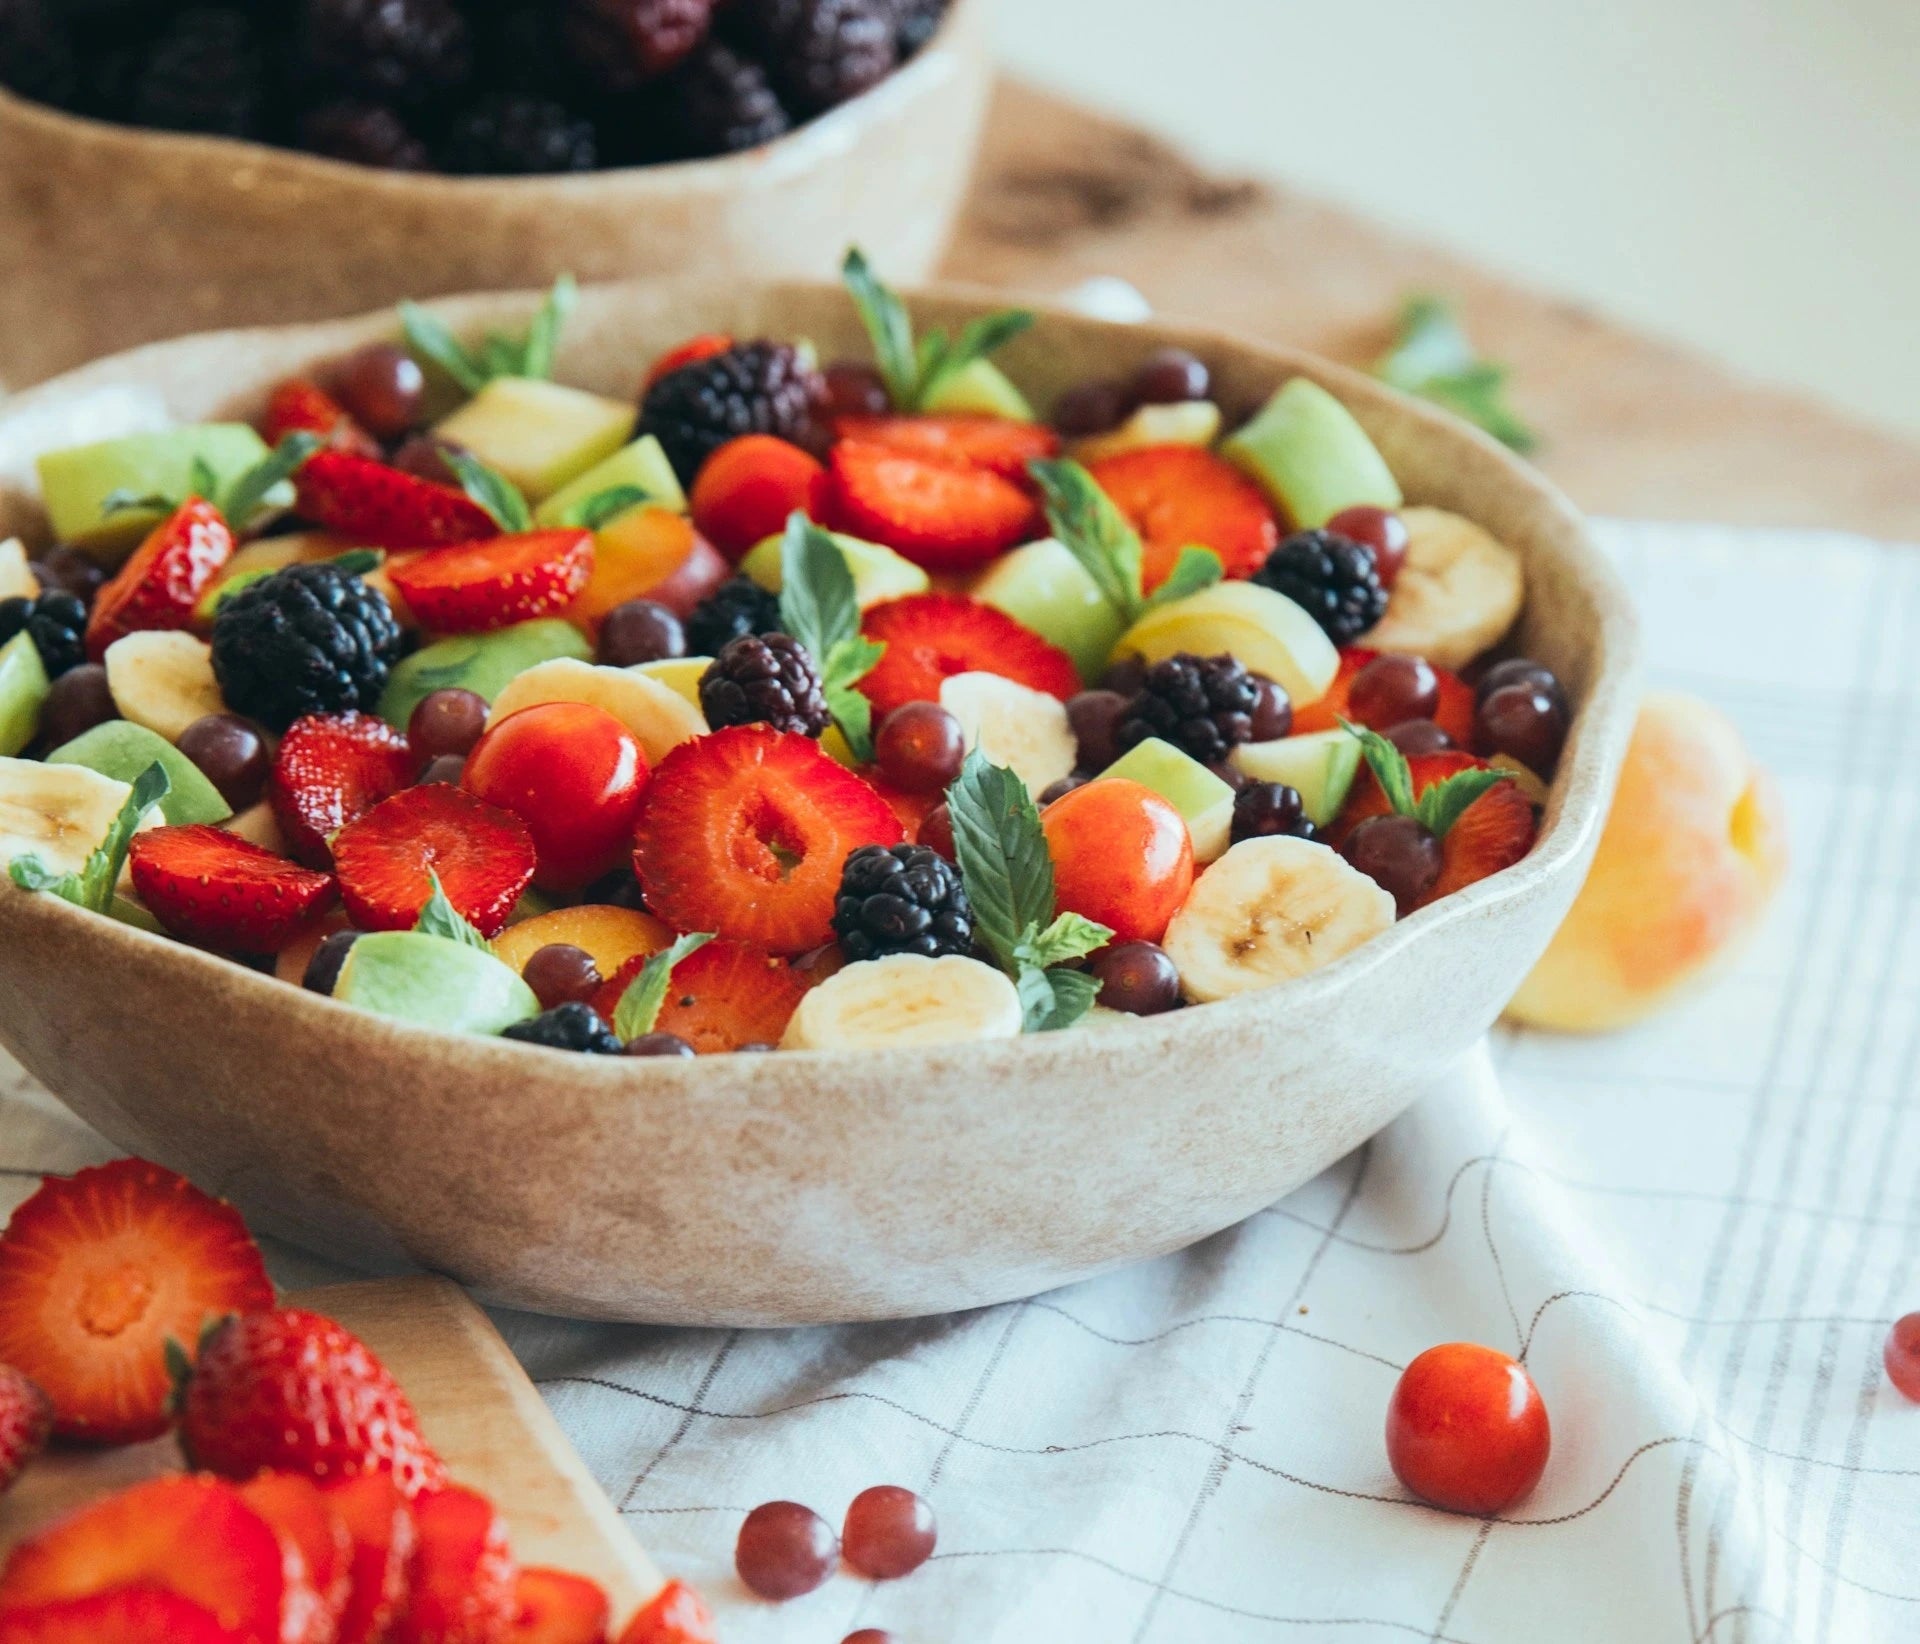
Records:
x=795, y=706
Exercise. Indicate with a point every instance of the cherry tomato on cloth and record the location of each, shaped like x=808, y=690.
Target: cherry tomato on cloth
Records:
x=1467, y=1430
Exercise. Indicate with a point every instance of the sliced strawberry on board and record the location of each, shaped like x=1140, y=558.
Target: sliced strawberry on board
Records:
x=1492, y=834
x=483, y=855
x=931, y=637
x=380, y=1523
x=944, y=516
x=464, y=1576
x=301, y=406
x=554, y=1607
x=492, y=584
x=998, y=444
x=98, y=1272
x=720, y=997
x=380, y=507
x=331, y=769
x=674, y=1615
x=747, y=489
x=1176, y=495
x=26, y=1422
x=744, y=833
x=690, y=352
x=163, y=580
x=195, y=1537
x=214, y=888
x=124, y=1615
x=294, y=1505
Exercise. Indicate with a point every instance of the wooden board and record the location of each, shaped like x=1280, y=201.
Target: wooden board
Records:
x=477, y=1407
x=1632, y=425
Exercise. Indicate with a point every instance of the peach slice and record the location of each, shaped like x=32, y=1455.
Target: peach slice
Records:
x=612, y=935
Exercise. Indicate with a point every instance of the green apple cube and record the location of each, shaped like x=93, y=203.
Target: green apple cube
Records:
x=1043, y=587
x=879, y=574
x=481, y=663
x=122, y=750
x=978, y=388
x=23, y=688
x=1305, y=450
x=540, y=434
x=1322, y=765
x=75, y=483
x=433, y=982
x=1203, y=799
x=642, y=465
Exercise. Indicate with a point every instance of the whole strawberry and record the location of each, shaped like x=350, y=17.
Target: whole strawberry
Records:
x=295, y=1392
x=26, y=1418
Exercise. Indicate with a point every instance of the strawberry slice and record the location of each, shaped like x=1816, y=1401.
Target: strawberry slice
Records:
x=294, y=1506
x=380, y=1522
x=744, y=833
x=162, y=582
x=212, y=887
x=26, y=1423
x=331, y=770
x=464, y=1577
x=911, y=807
x=381, y=507
x=996, y=444
x=1454, y=714
x=1493, y=833
x=944, y=516
x=98, y=1272
x=125, y=1615
x=747, y=488
x=300, y=405
x=483, y=855
x=691, y=352
x=722, y=996
x=1176, y=495
x=193, y=1537
x=674, y=1615
x=931, y=637
x=557, y=1608
x=469, y=590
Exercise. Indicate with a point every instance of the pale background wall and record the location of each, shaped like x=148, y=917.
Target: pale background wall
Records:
x=1740, y=174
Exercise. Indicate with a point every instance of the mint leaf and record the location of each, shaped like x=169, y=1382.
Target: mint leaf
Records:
x=1443, y=804
x=1003, y=857
x=542, y=346
x=31, y=874
x=499, y=355
x=1054, y=999
x=492, y=490
x=357, y=562
x=248, y=493
x=1196, y=568
x=440, y=918
x=1083, y=517
x=1069, y=937
x=1389, y=766
x=92, y=887
x=202, y=481
x=639, y=1006
x=940, y=360
x=1431, y=357
x=819, y=608
x=913, y=371
x=120, y=500
x=430, y=339
x=590, y=513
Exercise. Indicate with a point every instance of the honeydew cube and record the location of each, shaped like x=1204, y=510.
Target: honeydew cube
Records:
x=641, y=465
x=1310, y=456
x=75, y=483
x=1043, y=587
x=879, y=574
x=432, y=982
x=1201, y=798
x=539, y=434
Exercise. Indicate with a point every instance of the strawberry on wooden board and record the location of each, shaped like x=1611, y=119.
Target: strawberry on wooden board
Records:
x=301, y=406
x=493, y=584
x=464, y=1575
x=98, y=1272
x=1177, y=495
x=380, y=1523
x=554, y=1607
x=295, y=1506
x=998, y=444
x=289, y=1390
x=124, y=1615
x=931, y=637
x=161, y=583
x=484, y=856
x=210, y=886
x=26, y=1421
x=721, y=996
x=380, y=507
x=942, y=515
x=674, y=1615
x=331, y=769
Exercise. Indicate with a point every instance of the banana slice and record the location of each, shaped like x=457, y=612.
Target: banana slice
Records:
x=658, y=715
x=1013, y=725
x=58, y=813
x=17, y=580
x=163, y=679
x=1455, y=597
x=905, y=1000
x=1268, y=911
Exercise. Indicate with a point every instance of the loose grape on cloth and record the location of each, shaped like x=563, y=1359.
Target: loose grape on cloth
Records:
x=1696, y=1234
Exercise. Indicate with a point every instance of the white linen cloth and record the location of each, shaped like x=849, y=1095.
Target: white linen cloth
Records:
x=1696, y=1233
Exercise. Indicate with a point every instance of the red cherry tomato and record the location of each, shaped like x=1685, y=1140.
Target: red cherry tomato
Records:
x=573, y=774
x=1122, y=856
x=1467, y=1430
x=746, y=490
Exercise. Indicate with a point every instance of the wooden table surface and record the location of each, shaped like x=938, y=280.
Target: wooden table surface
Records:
x=1630, y=425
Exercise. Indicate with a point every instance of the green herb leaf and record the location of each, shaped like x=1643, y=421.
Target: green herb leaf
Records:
x=639, y=1006
x=1083, y=517
x=492, y=490
x=440, y=918
x=590, y=513
x=357, y=562
x=1003, y=857
x=1389, y=767
x=248, y=493
x=1432, y=357
x=92, y=886
x=429, y=339
x=1054, y=999
x=1196, y=568
x=120, y=500
x=202, y=481
x=1069, y=937
x=31, y=874
x=819, y=608
x=543, y=335
x=847, y=664
x=977, y=339
x=1443, y=804
x=885, y=318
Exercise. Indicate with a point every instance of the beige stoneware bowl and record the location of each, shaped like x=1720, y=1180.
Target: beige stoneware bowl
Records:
x=115, y=236
x=800, y=1187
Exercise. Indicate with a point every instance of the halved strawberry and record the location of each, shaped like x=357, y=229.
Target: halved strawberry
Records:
x=941, y=515
x=463, y=1573
x=300, y=405
x=997, y=444
x=380, y=1522
x=1454, y=715
x=744, y=833
x=381, y=507
x=192, y=1536
x=332, y=769
x=125, y=1615
x=1493, y=833
x=691, y=352
x=483, y=855
x=674, y=1615
x=557, y=1608
x=721, y=996
x=1177, y=495
x=212, y=887
x=485, y=585
x=26, y=1422
x=931, y=637
x=98, y=1272
x=746, y=490
x=162, y=582
x=294, y=1506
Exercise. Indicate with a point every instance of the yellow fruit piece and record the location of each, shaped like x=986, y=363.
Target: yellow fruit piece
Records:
x=612, y=935
x=658, y=716
x=879, y=574
x=1191, y=422
x=539, y=434
x=1266, y=631
x=632, y=555
x=678, y=673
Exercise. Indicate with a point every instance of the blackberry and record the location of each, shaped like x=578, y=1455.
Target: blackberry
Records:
x=915, y=23
x=57, y=623
x=1333, y=578
x=404, y=51
x=722, y=102
x=624, y=44
x=1262, y=809
x=820, y=52
x=570, y=1026
x=367, y=134
x=207, y=72
x=738, y=607
x=752, y=388
x=901, y=899
x=1203, y=705
x=519, y=48
x=764, y=679
x=309, y=639
x=515, y=134
x=36, y=52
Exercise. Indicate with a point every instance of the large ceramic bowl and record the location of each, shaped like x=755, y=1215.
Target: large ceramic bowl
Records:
x=115, y=236
x=799, y=1187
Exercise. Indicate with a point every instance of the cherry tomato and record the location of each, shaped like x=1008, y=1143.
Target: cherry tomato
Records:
x=1122, y=856
x=1467, y=1430
x=747, y=488
x=573, y=774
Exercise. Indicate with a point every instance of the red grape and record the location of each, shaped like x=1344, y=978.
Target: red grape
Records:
x=447, y=721
x=560, y=973
x=231, y=754
x=1170, y=376
x=1517, y=670
x=936, y=831
x=1467, y=1430
x=1379, y=529
x=920, y=747
x=1393, y=688
x=1091, y=408
x=383, y=389
x=78, y=701
x=1414, y=737
x=1095, y=718
x=662, y=1044
x=1902, y=1355
x=785, y=1550
x=1524, y=721
x=855, y=390
x=1398, y=854
x=640, y=631
x=1272, y=716
x=889, y=1533
x=1136, y=977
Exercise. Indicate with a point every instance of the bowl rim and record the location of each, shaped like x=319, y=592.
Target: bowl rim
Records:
x=1578, y=800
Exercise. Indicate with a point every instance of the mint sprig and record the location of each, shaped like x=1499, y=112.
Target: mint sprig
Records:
x=492, y=490
x=592, y=512
x=92, y=887
x=1443, y=803
x=243, y=500
x=912, y=370
x=819, y=607
x=1091, y=527
x=1008, y=874
x=498, y=355
x=1431, y=357
x=439, y=917
x=639, y=1006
